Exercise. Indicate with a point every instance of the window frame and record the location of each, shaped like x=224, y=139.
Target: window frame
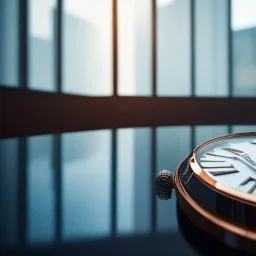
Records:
x=36, y=112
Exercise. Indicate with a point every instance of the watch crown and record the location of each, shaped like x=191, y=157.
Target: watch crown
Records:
x=164, y=184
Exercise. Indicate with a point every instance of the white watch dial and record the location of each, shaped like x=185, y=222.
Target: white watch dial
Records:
x=232, y=162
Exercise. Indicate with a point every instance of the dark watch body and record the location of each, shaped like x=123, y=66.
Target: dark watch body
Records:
x=213, y=201
x=216, y=187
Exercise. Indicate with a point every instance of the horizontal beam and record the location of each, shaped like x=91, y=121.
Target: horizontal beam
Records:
x=30, y=112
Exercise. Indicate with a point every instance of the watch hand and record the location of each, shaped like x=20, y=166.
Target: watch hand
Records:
x=242, y=156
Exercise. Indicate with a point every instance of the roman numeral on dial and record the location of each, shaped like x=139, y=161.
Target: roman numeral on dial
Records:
x=212, y=154
x=211, y=161
x=233, y=150
x=217, y=167
x=248, y=180
x=217, y=173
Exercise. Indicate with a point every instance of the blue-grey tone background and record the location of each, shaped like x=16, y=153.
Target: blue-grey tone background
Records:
x=86, y=157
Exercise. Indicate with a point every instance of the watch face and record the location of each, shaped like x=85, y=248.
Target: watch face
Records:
x=230, y=162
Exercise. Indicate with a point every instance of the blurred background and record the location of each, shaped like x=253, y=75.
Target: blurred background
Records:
x=87, y=52
x=87, y=184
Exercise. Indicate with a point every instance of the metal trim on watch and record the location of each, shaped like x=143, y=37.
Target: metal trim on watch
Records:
x=209, y=215
x=216, y=185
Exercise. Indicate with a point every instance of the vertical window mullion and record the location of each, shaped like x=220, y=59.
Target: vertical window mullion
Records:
x=57, y=137
x=59, y=14
x=192, y=41
x=193, y=63
x=153, y=174
x=113, y=216
x=22, y=192
x=154, y=47
x=230, y=129
x=23, y=73
x=115, y=46
x=23, y=44
x=193, y=137
x=230, y=67
x=153, y=133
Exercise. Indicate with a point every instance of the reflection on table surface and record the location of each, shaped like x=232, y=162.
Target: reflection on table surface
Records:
x=91, y=192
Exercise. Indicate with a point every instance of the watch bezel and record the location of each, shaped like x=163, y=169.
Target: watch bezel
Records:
x=216, y=185
x=209, y=220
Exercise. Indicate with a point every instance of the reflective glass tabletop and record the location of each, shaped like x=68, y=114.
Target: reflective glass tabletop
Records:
x=91, y=193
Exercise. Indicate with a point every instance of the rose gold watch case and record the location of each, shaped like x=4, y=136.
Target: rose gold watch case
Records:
x=218, y=186
x=243, y=236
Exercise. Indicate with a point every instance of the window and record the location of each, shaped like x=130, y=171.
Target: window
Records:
x=9, y=169
x=87, y=47
x=169, y=156
x=173, y=48
x=163, y=47
x=244, y=47
x=9, y=48
x=42, y=45
x=41, y=186
x=211, y=48
x=207, y=132
x=133, y=169
x=134, y=47
x=84, y=155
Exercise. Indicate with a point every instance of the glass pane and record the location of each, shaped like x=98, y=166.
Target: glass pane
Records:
x=133, y=170
x=41, y=189
x=173, y=146
x=244, y=128
x=41, y=41
x=9, y=42
x=86, y=184
x=173, y=48
x=87, y=47
x=244, y=47
x=207, y=132
x=134, y=47
x=9, y=191
x=211, y=49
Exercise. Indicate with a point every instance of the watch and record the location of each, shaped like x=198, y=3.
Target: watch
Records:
x=216, y=188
